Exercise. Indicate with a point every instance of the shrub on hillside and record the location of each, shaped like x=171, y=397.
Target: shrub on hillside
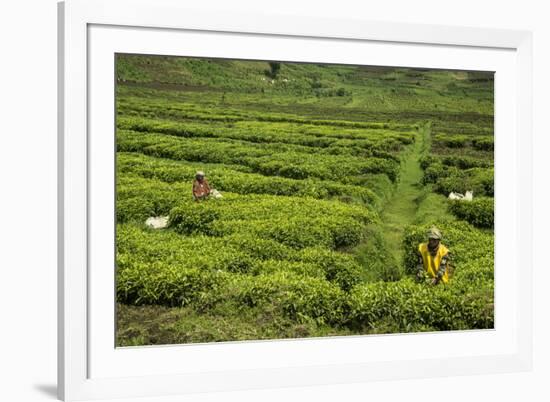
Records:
x=434, y=172
x=484, y=143
x=428, y=160
x=478, y=180
x=479, y=212
x=339, y=268
x=300, y=299
x=409, y=306
x=465, y=162
x=193, y=218
x=453, y=141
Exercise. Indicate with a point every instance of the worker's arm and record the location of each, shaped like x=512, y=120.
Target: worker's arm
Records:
x=207, y=187
x=442, y=267
x=420, y=267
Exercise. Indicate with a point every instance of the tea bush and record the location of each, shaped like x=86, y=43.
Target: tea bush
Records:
x=452, y=141
x=158, y=283
x=412, y=306
x=434, y=172
x=427, y=160
x=309, y=285
x=300, y=298
x=158, y=107
x=465, y=162
x=295, y=222
x=478, y=180
x=139, y=198
x=479, y=212
x=275, y=159
x=240, y=252
x=232, y=178
x=292, y=286
x=483, y=143
x=367, y=141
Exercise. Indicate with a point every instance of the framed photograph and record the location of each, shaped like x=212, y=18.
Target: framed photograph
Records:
x=255, y=201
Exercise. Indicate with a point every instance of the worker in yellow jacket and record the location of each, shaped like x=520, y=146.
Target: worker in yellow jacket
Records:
x=433, y=258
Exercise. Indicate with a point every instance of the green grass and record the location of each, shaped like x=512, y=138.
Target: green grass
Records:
x=157, y=325
x=401, y=209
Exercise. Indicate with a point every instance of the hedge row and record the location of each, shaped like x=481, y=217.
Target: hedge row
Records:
x=271, y=159
x=296, y=222
x=158, y=107
x=461, y=162
x=447, y=179
x=482, y=143
x=364, y=144
x=479, y=212
x=230, y=178
x=407, y=304
x=238, y=253
x=299, y=291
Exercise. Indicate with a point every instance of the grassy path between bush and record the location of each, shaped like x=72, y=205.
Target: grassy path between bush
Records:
x=401, y=209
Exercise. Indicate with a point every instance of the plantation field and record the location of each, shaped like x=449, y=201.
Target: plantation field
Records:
x=330, y=177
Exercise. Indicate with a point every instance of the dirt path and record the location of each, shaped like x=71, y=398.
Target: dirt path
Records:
x=401, y=209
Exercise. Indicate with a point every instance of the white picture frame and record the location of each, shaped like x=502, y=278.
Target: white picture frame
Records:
x=90, y=368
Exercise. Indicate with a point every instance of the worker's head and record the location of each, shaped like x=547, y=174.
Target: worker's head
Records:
x=434, y=237
x=199, y=175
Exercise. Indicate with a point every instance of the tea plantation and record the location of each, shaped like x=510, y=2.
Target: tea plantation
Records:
x=330, y=177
